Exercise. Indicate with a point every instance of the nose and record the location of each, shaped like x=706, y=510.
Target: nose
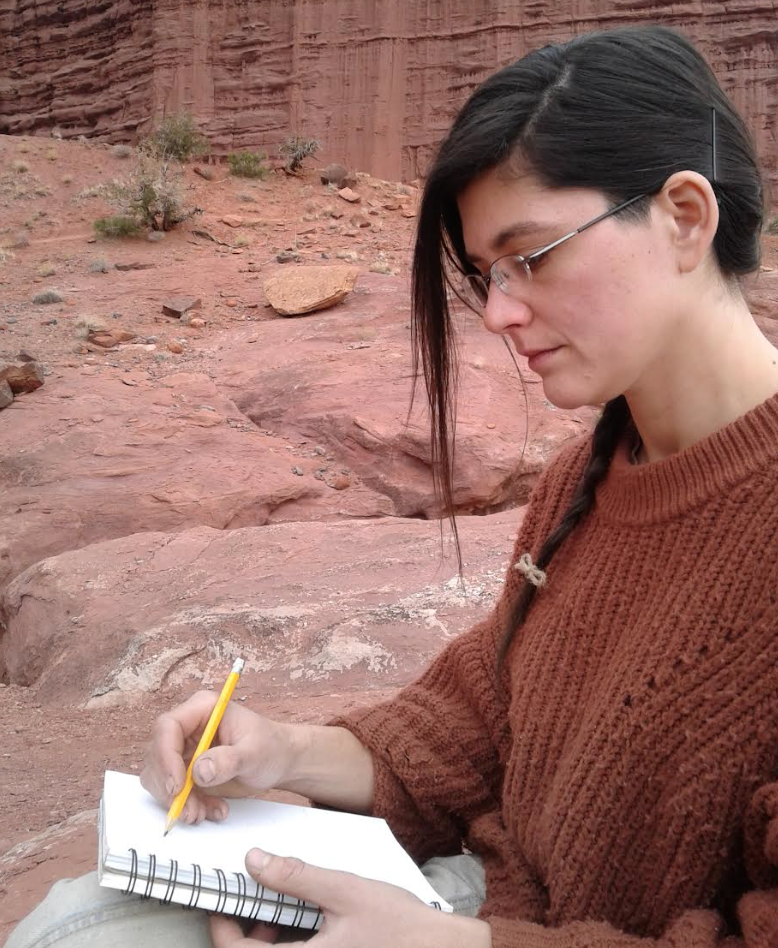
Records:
x=502, y=312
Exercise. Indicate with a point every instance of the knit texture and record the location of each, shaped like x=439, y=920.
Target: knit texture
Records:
x=621, y=781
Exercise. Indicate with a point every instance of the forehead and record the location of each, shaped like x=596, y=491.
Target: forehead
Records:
x=498, y=204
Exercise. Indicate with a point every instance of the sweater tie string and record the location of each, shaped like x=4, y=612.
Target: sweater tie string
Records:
x=531, y=573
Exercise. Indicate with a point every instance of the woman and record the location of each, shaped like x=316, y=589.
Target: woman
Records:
x=604, y=744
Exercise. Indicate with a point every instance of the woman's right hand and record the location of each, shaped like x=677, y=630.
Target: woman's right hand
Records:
x=250, y=753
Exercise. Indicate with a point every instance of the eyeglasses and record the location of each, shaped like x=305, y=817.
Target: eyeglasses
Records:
x=511, y=271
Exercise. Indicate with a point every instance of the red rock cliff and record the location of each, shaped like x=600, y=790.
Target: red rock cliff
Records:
x=377, y=83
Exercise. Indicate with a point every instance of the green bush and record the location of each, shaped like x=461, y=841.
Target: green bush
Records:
x=177, y=136
x=153, y=195
x=248, y=164
x=118, y=226
x=296, y=150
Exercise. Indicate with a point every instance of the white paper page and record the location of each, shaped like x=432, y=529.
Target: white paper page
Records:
x=360, y=844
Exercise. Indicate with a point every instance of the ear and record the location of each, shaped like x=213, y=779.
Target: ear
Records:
x=691, y=215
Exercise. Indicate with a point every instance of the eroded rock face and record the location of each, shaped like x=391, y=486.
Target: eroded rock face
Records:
x=310, y=606
x=255, y=72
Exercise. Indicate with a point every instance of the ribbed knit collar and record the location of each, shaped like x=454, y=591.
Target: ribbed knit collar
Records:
x=651, y=493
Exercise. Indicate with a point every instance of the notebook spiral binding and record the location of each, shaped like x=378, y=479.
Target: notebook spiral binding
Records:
x=258, y=898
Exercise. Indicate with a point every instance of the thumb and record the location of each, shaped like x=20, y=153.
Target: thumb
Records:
x=331, y=890
x=217, y=765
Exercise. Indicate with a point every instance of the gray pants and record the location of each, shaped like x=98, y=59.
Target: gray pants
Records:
x=78, y=913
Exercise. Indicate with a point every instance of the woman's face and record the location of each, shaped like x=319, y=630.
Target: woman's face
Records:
x=599, y=315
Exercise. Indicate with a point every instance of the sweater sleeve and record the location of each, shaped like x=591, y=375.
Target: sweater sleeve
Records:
x=757, y=909
x=436, y=745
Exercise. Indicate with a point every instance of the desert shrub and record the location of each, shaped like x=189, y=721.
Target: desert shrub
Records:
x=177, y=136
x=46, y=298
x=247, y=198
x=120, y=225
x=153, y=196
x=20, y=239
x=51, y=154
x=91, y=191
x=20, y=166
x=121, y=151
x=24, y=148
x=295, y=150
x=241, y=241
x=46, y=270
x=5, y=256
x=248, y=164
x=67, y=179
x=772, y=227
x=99, y=266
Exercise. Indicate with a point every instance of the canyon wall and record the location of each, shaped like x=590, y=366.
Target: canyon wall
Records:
x=376, y=83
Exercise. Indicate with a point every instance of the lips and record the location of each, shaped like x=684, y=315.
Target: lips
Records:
x=531, y=353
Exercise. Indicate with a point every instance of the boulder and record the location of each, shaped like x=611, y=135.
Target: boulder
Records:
x=6, y=395
x=22, y=378
x=348, y=195
x=308, y=289
x=178, y=305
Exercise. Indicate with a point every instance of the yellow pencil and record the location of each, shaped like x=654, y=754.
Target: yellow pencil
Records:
x=205, y=742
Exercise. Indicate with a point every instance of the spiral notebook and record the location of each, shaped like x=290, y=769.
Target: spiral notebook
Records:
x=203, y=866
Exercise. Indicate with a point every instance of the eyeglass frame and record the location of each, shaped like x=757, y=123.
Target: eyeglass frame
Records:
x=486, y=281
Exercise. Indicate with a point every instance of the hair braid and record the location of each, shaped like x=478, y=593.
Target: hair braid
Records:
x=615, y=419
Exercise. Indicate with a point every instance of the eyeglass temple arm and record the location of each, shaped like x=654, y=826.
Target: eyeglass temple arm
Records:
x=600, y=217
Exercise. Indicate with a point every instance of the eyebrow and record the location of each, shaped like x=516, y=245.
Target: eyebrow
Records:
x=511, y=232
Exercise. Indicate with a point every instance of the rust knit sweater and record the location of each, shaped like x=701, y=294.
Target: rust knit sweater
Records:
x=622, y=788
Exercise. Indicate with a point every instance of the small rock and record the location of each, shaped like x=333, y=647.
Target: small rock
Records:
x=134, y=266
x=348, y=195
x=333, y=174
x=298, y=471
x=319, y=450
x=25, y=356
x=197, y=323
x=108, y=338
x=491, y=424
x=22, y=379
x=391, y=205
x=231, y=303
x=203, y=172
x=175, y=347
x=338, y=481
x=232, y=220
x=408, y=212
x=3, y=327
x=154, y=236
x=288, y=256
x=12, y=320
x=6, y=395
x=178, y=305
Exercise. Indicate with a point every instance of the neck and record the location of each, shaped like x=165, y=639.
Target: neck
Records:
x=719, y=367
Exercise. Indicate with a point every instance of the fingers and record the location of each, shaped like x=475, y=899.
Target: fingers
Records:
x=164, y=769
x=227, y=933
x=218, y=765
x=333, y=891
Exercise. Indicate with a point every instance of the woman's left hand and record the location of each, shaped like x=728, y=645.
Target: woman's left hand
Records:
x=357, y=911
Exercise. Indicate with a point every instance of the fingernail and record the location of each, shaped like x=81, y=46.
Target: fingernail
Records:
x=170, y=786
x=220, y=813
x=256, y=860
x=205, y=771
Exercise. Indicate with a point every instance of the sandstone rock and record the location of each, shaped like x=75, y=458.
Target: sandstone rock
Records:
x=179, y=305
x=23, y=378
x=306, y=613
x=232, y=220
x=333, y=174
x=6, y=394
x=348, y=195
x=135, y=265
x=155, y=462
x=55, y=50
x=175, y=347
x=197, y=323
x=308, y=289
x=108, y=338
x=206, y=173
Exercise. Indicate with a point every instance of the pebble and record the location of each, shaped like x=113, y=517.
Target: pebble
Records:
x=175, y=347
x=298, y=471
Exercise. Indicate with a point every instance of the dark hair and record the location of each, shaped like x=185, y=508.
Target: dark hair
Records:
x=617, y=111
